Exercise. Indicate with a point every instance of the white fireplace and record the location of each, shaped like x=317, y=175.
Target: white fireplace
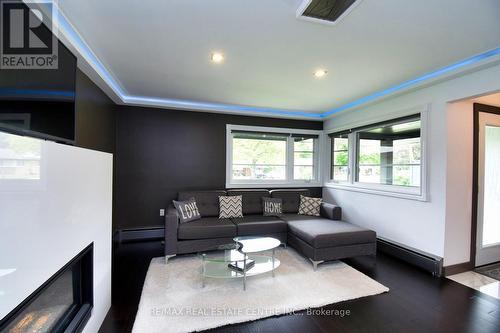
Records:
x=55, y=200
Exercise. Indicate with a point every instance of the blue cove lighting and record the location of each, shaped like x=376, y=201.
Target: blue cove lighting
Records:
x=216, y=106
x=82, y=47
x=37, y=92
x=77, y=41
x=407, y=84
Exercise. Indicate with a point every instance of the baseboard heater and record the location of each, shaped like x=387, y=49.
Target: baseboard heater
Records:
x=139, y=234
x=425, y=261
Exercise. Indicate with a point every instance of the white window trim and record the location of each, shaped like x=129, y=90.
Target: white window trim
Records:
x=420, y=194
x=318, y=163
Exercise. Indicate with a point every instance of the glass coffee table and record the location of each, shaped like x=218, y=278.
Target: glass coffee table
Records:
x=245, y=257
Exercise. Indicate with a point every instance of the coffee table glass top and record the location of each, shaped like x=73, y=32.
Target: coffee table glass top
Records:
x=219, y=269
x=215, y=263
x=250, y=244
x=224, y=255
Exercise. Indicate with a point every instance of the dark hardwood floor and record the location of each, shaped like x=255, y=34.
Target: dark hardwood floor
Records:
x=416, y=302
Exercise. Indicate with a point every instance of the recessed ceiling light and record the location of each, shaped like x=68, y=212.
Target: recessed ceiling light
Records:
x=217, y=57
x=320, y=73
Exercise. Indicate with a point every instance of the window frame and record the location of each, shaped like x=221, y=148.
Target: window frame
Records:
x=332, y=153
x=416, y=193
x=288, y=181
x=316, y=162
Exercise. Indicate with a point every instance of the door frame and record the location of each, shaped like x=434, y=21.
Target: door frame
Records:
x=475, y=169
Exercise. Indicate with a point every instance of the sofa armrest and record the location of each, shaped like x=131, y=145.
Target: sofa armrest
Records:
x=331, y=211
x=171, y=224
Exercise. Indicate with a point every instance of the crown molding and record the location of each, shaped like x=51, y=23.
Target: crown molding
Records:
x=91, y=65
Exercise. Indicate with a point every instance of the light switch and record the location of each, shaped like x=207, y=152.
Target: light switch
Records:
x=162, y=212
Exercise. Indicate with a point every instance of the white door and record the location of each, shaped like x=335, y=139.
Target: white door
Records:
x=488, y=201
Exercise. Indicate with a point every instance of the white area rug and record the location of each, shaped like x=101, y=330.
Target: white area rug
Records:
x=173, y=299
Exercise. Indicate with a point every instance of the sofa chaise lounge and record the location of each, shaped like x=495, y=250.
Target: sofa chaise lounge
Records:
x=319, y=238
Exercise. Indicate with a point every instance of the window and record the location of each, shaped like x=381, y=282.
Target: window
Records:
x=340, y=158
x=303, y=157
x=386, y=157
x=272, y=156
x=389, y=153
x=259, y=156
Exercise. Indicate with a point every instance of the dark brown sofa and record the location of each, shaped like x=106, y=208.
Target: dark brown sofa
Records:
x=320, y=238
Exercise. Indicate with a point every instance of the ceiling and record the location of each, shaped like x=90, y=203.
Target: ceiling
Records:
x=160, y=50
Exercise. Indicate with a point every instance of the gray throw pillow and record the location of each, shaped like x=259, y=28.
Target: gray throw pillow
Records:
x=187, y=210
x=309, y=206
x=272, y=206
x=230, y=206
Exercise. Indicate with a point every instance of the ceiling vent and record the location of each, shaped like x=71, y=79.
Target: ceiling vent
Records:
x=326, y=11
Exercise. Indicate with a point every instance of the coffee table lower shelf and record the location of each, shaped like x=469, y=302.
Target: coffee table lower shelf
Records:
x=218, y=268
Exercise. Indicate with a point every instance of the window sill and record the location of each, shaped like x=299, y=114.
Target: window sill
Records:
x=378, y=191
x=273, y=184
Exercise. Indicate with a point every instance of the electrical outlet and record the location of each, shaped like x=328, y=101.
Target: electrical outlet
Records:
x=162, y=212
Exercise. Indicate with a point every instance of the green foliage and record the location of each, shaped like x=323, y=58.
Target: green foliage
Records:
x=249, y=151
x=400, y=180
x=340, y=144
x=416, y=151
x=373, y=158
x=304, y=155
x=407, y=151
x=341, y=158
x=20, y=145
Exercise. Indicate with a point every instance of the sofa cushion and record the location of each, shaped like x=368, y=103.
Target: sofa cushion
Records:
x=206, y=201
x=297, y=217
x=272, y=206
x=207, y=227
x=230, y=206
x=291, y=198
x=252, y=199
x=187, y=210
x=331, y=211
x=321, y=233
x=309, y=206
x=259, y=225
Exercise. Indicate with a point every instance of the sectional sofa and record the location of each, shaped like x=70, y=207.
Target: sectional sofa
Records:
x=319, y=238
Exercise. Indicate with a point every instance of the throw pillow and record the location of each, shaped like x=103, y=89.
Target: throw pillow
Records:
x=272, y=206
x=187, y=210
x=230, y=206
x=309, y=206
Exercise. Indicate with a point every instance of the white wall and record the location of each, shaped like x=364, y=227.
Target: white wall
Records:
x=460, y=133
x=48, y=219
x=421, y=225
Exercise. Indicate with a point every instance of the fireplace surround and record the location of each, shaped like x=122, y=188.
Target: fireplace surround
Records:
x=62, y=304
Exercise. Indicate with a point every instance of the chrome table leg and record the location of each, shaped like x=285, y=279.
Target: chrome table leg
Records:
x=273, y=262
x=203, y=271
x=245, y=273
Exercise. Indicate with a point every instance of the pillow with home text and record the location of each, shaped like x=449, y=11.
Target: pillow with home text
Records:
x=272, y=206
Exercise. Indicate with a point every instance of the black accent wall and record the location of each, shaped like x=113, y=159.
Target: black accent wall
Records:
x=161, y=152
x=95, y=116
x=158, y=152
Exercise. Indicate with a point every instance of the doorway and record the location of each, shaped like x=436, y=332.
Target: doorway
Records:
x=486, y=185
